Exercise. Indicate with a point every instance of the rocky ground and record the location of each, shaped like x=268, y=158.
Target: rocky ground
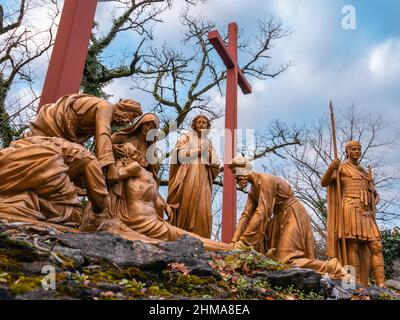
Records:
x=104, y=266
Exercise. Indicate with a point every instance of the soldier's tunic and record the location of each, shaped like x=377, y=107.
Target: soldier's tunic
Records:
x=357, y=203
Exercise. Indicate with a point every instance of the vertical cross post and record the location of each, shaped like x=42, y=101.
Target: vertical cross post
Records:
x=234, y=77
x=65, y=70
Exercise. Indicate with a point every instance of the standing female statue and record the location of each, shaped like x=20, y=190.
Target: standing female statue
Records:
x=194, y=166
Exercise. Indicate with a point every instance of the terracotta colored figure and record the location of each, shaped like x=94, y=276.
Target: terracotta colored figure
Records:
x=142, y=135
x=355, y=220
x=132, y=144
x=274, y=218
x=140, y=204
x=135, y=200
x=194, y=166
x=35, y=179
x=79, y=117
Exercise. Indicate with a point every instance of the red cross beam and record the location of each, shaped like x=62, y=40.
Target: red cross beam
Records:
x=234, y=76
x=64, y=74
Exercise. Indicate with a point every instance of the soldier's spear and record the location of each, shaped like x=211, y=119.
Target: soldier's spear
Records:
x=338, y=189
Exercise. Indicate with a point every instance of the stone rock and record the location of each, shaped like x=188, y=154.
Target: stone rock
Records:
x=125, y=253
x=30, y=259
x=306, y=280
x=104, y=245
x=396, y=269
x=5, y=293
x=75, y=254
x=185, y=245
x=395, y=284
x=110, y=287
x=41, y=294
x=189, y=251
x=377, y=293
x=36, y=267
x=332, y=289
x=373, y=292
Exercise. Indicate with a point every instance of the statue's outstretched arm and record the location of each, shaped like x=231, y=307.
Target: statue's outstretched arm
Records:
x=166, y=208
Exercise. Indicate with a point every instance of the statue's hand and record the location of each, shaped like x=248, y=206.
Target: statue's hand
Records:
x=334, y=165
x=143, y=162
x=112, y=175
x=239, y=245
x=377, y=199
x=169, y=213
x=80, y=192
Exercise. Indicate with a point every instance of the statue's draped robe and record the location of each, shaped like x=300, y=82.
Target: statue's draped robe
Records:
x=150, y=225
x=274, y=219
x=358, y=221
x=35, y=182
x=77, y=118
x=190, y=184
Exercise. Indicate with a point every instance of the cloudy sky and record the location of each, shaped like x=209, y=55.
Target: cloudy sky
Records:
x=360, y=66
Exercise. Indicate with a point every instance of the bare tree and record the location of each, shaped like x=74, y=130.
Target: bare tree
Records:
x=21, y=44
x=182, y=82
x=134, y=17
x=186, y=81
x=179, y=80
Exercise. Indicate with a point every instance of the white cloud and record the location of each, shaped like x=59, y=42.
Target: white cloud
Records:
x=384, y=60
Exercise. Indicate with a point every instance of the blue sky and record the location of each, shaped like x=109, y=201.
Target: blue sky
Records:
x=359, y=66
x=348, y=66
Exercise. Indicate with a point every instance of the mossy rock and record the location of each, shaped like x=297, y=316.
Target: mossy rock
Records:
x=25, y=284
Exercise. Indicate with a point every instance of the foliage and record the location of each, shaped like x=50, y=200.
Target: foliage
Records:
x=292, y=293
x=22, y=44
x=391, y=249
x=249, y=262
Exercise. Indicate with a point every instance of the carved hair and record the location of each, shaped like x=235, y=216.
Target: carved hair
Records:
x=125, y=107
x=129, y=105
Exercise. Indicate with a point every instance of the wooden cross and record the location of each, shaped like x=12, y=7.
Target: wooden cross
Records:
x=234, y=76
x=64, y=74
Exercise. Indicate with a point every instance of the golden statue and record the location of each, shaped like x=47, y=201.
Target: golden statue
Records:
x=273, y=218
x=135, y=200
x=194, y=166
x=36, y=180
x=352, y=217
x=79, y=117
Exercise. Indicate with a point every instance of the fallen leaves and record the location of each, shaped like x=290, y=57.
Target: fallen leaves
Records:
x=178, y=267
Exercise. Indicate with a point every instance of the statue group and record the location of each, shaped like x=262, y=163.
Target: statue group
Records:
x=44, y=176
